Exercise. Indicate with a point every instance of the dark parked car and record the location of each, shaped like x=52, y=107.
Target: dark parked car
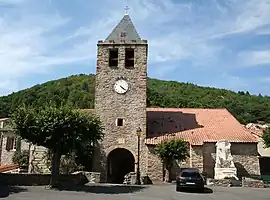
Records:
x=190, y=178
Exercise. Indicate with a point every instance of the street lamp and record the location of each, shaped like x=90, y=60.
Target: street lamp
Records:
x=138, y=178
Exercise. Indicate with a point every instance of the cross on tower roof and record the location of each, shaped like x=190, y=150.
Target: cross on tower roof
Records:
x=126, y=10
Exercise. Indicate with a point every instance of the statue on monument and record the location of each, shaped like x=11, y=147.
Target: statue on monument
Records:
x=224, y=166
x=224, y=157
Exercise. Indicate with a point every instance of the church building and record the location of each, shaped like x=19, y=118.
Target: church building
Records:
x=120, y=102
x=129, y=126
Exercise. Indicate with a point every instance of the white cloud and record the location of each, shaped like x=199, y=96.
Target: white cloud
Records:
x=239, y=17
x=188, y=31
x=254, y=58
x=22, y=47
x=26, y=47
x=34, y=42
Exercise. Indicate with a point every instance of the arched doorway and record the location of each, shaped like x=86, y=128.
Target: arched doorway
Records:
x=120, y=162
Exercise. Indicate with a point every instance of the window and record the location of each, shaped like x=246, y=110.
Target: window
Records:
x=11, y=143
x=120, y=122
x=113, y=58
x=129, y=60
x=123, y=34
x=191, y=174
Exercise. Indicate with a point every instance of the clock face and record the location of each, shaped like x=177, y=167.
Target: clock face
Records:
x=121, y=86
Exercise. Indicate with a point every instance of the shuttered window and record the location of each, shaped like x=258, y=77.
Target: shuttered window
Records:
x=12, y=143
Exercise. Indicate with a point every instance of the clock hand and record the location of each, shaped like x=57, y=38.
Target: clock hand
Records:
x=122, y=87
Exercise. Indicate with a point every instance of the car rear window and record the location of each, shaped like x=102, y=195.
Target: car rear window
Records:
x=190, y=174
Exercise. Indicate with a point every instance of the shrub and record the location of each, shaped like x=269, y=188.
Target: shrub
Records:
x=21, y=158
x=68, y=163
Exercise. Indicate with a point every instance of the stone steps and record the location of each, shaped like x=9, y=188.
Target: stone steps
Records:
x=37, y=160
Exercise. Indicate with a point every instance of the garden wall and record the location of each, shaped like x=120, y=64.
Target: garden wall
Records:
x=41, y=179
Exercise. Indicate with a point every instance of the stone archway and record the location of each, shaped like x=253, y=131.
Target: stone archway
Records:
x=120, y=162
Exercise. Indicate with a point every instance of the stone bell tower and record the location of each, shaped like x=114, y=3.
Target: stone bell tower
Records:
x=120, y=101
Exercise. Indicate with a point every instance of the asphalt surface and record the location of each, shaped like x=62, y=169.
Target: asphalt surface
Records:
x=155, y=192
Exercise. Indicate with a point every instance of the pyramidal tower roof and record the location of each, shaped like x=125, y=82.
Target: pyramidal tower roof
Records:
x=125, y=30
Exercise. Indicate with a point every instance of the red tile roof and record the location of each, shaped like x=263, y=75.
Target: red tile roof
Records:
x=256, y=132
x=5, y=168
x=195, y=125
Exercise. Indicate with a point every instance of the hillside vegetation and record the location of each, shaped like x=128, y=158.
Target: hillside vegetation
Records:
x=78, y=91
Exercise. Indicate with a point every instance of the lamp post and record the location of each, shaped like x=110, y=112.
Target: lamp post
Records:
x=138, y=178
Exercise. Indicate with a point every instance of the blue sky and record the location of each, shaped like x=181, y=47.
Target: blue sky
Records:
x=224, y=44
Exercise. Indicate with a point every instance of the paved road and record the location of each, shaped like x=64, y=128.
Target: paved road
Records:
x=156, y=192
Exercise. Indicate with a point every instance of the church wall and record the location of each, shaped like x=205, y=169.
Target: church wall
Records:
x=245, y=157
x=155, y=166
x=196, y=156
x=209, y=156
x=178, y=166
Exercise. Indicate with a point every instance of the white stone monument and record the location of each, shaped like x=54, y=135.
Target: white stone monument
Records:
x=224, y=166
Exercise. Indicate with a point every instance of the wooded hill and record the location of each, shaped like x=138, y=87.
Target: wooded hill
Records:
x=78, y=91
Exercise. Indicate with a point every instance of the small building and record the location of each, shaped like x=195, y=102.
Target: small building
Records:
x=9, y=143
x=264, y=153
x=257, y=131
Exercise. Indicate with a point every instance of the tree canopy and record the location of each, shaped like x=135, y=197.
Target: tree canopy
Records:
x=78, y=91
x=266, y=137
x=171, y=150
x=60, y=129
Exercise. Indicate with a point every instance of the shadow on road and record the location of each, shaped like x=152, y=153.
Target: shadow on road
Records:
x=5, y=191
x=104, y=189
x=205, y=191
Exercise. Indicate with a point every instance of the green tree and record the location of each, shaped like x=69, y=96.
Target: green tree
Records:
x=170, y=151
x=266, y=137
x=60, y=129
x=78, y=91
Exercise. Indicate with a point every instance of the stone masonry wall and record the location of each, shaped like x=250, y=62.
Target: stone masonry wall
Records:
x=155, y=166
x=197, y=157
x=244, y=157
x=131, y=107
x=6, y=155
x=209, y=157
x=41, y=179
x=37, y=160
